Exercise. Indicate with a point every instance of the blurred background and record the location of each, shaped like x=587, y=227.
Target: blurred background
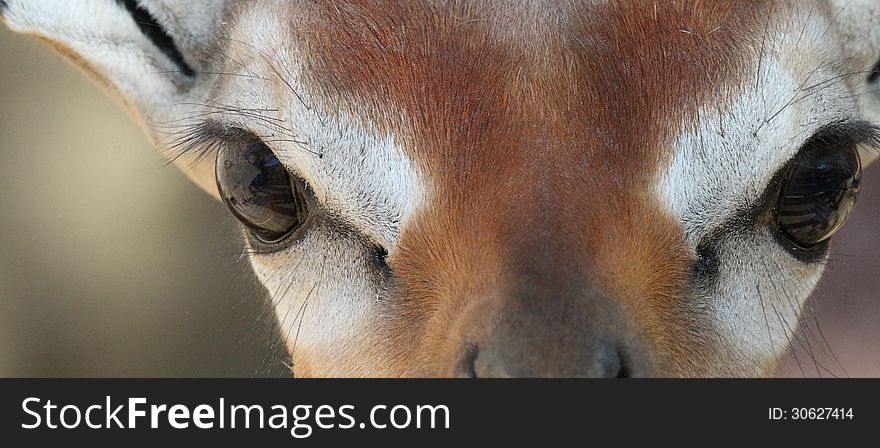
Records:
x=113, y=265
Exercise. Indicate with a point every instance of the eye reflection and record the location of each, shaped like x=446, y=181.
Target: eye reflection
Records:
x=818, y=194
x=258, y=190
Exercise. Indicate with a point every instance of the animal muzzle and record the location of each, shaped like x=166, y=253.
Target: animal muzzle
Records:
x=570, y=332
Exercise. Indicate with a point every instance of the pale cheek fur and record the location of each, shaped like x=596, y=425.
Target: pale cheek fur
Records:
x=722, y=166
x=356, y=172
x=326, y=299
x=324, y=302
x=758, y=300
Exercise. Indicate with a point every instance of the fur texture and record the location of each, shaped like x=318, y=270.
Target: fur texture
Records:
x=543, y=175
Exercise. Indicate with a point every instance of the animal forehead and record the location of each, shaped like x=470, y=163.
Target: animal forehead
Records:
x=465, y=85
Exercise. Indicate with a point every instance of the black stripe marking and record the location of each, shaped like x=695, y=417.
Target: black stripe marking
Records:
x=2, y=6
x=156, y=33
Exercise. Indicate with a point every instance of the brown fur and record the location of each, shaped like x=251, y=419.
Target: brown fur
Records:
x=541, y=146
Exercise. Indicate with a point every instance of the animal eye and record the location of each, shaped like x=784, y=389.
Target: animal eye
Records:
x=258, y=190
x=818, y=193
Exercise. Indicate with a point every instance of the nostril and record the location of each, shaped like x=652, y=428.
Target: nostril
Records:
x=626, y=366
x=602, y=361
x=467, y=366
x=609, y=362
x=624, y=370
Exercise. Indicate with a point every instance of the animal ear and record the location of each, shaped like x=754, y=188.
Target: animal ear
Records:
x=148, y=54
x=857, y=24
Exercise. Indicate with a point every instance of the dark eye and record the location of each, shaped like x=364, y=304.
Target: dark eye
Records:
x=818, y=193
x=258, y=189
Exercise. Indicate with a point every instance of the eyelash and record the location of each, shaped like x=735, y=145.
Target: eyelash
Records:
x=848, y=131
x=202, y=141
x=759, y=211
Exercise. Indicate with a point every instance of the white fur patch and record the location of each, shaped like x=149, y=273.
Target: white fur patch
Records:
x=324, y=288
x=722, y=166
x=359, y=175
